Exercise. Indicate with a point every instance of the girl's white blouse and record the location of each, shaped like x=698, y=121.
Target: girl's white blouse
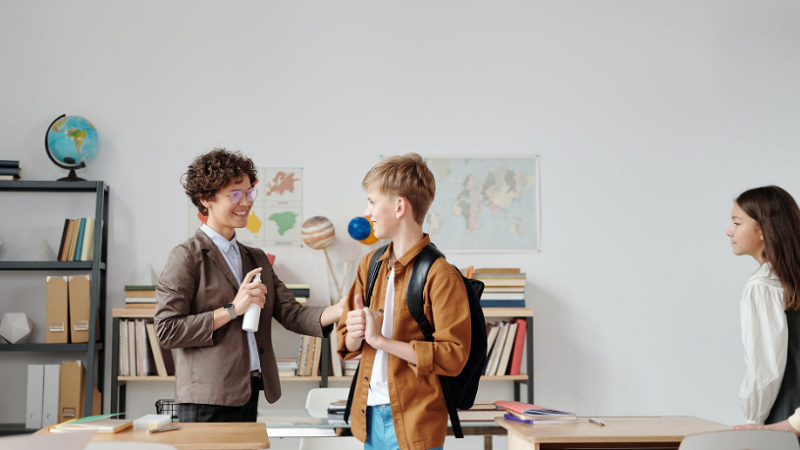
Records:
x=765, y=337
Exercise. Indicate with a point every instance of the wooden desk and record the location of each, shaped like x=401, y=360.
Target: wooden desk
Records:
x=197, y=436
x=619, y=433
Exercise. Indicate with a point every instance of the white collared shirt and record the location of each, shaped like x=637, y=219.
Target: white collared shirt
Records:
x=235, y=264
x=379, y=380
x=766, y=339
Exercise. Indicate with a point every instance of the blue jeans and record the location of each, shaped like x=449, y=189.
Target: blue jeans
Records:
x=380, y=429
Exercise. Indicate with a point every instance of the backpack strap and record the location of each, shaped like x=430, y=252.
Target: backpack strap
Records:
x=416, y=284
x=372, y=275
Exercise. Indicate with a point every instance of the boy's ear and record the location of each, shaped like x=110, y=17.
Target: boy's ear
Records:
x=402, y=207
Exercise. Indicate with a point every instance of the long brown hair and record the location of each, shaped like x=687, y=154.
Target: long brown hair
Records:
x=779, y=217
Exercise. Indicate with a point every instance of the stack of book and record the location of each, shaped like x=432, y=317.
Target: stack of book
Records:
x=287, y=367
x=140, y=296
x=300, y=292
x=9, y=170
x=350, y=366
x=77, y=240
x=505, y=288
x=336, y=411
x=140, y=354
x=532, y=414
x=309, y=356
x=481, y=411
x=505, y=345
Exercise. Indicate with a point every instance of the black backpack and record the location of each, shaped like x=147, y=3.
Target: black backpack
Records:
x=459, y=391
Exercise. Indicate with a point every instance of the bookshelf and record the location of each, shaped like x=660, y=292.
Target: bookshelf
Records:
x=118, y=386
x=93, y=350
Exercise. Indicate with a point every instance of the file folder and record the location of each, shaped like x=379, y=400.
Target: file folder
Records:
x=57, y=331
x=33, y=410
x=52, y=387
x=79, y=303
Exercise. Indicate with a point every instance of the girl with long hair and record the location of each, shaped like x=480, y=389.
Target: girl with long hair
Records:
x=766, y=225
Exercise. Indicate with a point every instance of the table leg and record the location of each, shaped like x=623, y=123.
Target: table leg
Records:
x=487, y=443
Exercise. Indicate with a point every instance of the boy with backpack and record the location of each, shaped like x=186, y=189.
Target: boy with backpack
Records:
x=397, y=398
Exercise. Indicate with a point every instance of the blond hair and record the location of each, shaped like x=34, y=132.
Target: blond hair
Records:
x=404, y=176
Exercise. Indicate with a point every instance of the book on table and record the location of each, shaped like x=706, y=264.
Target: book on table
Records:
x=104, y=424
x=527, y=411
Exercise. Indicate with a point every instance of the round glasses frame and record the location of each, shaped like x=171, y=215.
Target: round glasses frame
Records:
x=236, y=196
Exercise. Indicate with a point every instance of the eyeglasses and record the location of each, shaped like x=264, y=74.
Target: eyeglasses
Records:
x=236, y=196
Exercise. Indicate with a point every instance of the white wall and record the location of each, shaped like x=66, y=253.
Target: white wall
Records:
x=650, y=117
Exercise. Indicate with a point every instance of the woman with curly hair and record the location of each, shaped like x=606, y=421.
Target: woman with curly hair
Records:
x=207, y=285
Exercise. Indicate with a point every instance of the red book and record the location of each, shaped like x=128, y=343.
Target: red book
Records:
x=519, y=344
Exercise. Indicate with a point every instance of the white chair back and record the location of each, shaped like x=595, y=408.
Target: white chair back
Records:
x=318, y=400
x=740, y=440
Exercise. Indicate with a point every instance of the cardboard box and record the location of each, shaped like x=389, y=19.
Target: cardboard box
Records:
x=57, y=331
x=79, y=303
x=73, y=390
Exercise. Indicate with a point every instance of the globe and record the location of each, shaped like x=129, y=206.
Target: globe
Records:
x=71, y=141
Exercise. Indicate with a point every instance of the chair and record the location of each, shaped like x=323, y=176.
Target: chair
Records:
x=741, y=439
x=317, y=403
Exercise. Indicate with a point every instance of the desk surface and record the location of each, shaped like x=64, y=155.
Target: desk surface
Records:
x=198, y=436
x=617, y=429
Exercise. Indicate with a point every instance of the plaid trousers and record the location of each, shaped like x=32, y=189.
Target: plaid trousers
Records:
x=194, y=412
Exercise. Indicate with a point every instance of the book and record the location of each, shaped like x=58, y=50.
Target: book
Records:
x=479, y=415
x=492, y=337
x=526, y=409
x=73, y=239
x=63, y=238
x=88, y=240
x=9, y=177
x=123, y=348
x=502, y=368
x=9, y=163
x=301, y=356
x=133, y=366
x=502, y=296
x=140, y=287
x=79, y=246
x=502, y=282
x=496, y=270
x=102, y=424
x=494, y=356
x=496, y=289
x=9, y=170
x=155, y=347
x=502, y=303
x=519, y=345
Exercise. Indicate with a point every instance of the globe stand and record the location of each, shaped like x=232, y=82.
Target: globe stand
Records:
x=72, y=176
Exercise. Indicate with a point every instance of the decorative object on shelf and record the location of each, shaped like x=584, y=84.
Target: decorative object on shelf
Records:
x=16, y=328
x=318, y=233
x=44, y=252
x=70, y=141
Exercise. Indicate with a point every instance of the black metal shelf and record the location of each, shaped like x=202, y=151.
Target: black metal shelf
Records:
x=95, y=356
x=48, y=347
x=49, y=265
x=50, y=186
x=10, y=429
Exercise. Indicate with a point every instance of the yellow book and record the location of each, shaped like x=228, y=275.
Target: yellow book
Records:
x=101, y=424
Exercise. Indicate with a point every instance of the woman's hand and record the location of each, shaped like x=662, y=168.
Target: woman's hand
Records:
x=250, y=292
x=356, y=325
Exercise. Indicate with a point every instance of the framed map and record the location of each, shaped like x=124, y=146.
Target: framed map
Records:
x=277, y=214
x=485, y=204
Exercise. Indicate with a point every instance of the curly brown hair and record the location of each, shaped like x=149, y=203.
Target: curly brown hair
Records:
x=210, y=172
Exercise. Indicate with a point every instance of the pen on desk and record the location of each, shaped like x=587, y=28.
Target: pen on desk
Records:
x=597, y=421
x=159, y=430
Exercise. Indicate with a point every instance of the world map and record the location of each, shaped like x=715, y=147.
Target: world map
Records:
x=484, y=204
x=276, y=214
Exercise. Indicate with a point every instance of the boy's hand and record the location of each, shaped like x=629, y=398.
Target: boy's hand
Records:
x=374, y=322
x=356, y=323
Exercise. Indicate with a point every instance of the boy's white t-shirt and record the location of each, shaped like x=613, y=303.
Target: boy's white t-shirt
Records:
x=379, y=380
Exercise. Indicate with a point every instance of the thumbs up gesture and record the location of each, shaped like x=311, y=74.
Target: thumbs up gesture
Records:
x=356, y=324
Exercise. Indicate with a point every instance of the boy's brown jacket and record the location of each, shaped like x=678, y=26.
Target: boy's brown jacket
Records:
x=418, y=407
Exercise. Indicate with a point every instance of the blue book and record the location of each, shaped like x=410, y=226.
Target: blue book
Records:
x=502, y=303
x=79, y=245
x=517, y=419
